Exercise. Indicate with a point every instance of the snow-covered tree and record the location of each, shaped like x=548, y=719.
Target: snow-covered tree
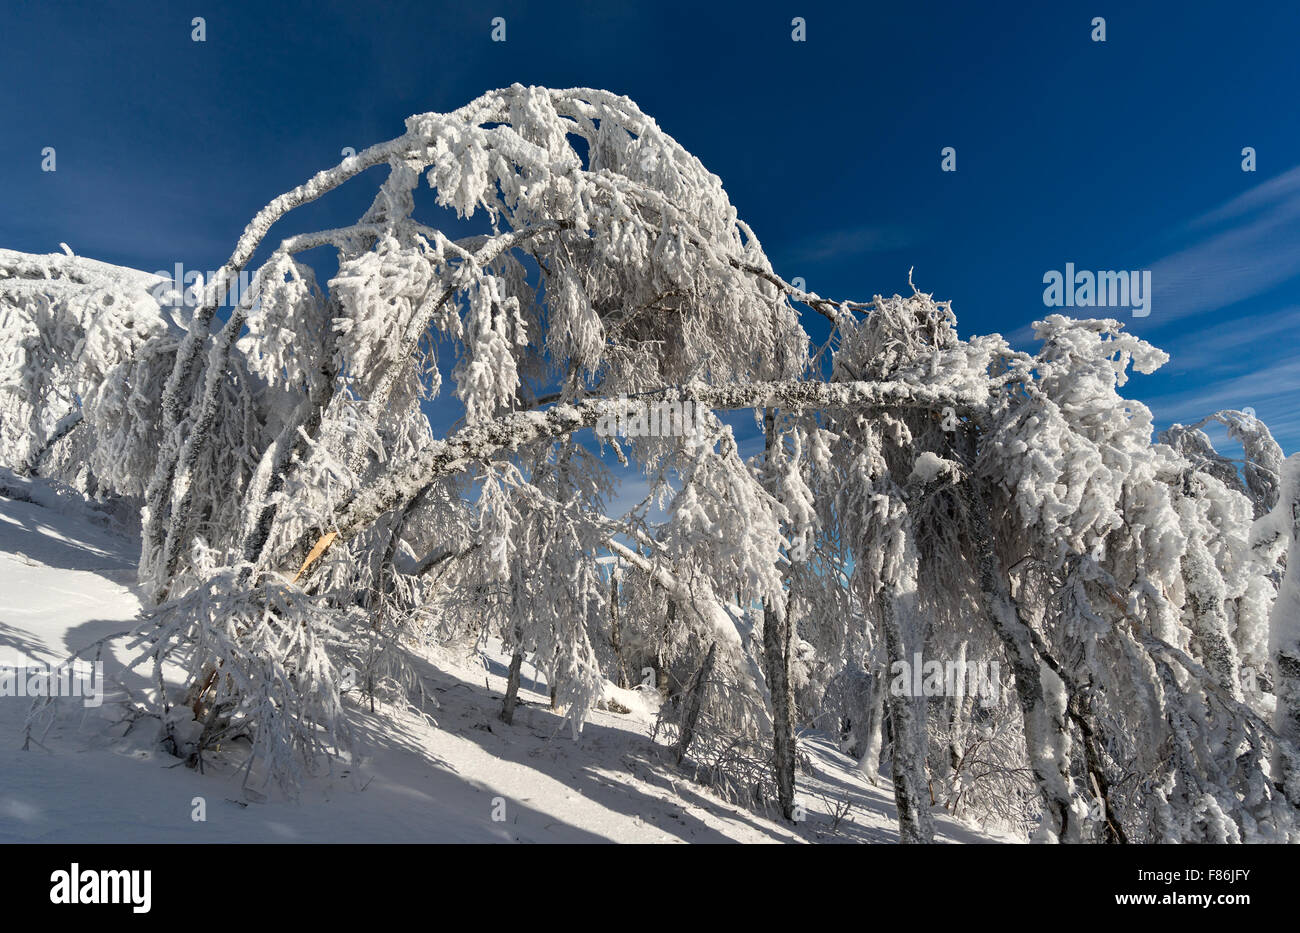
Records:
x=934, y=496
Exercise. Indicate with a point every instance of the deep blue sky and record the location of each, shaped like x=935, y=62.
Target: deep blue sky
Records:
x=1116, y=155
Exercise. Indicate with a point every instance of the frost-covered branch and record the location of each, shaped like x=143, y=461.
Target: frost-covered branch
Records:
x=482, y=441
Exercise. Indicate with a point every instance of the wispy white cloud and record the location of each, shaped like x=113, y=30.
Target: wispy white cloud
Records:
x=1284, y=188
x=1248, y=246
x=1235, y=346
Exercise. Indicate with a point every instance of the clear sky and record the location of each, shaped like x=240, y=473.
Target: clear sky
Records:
x=1116, y=155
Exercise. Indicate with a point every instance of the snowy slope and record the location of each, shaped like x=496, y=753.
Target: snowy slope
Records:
x=65, y=581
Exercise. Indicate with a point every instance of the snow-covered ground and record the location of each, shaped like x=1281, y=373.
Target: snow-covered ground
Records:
x=66, y=580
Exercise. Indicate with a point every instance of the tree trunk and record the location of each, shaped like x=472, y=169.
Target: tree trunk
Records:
x=908, y=715
x=192, y=449
x=869, y=763
x=1081, y=714
x=1047, y=742
x=512, y=687
x=1207, y=617
x=692, y=700
x=959, y=711
x=776, y=651
x=1284, y=625
x=67, y=424
x=778, y=635
x=615, y=637
x=661, y=662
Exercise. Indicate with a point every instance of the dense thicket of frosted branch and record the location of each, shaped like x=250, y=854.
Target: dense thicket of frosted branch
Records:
x=69, y=329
